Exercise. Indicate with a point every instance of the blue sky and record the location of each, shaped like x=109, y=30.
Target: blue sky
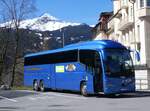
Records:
x=82, y=11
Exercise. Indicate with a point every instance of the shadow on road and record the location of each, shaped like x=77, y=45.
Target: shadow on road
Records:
x=15, y=94
x=125, y=95
x=8, y=108
x=137, y=94
x=63, y=91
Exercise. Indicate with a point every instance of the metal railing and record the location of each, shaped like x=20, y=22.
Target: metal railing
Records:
x=142, y=84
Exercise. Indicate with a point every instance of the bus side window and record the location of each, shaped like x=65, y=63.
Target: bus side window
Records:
x=87, y=57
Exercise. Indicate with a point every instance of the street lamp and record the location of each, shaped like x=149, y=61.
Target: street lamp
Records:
x=63, y=36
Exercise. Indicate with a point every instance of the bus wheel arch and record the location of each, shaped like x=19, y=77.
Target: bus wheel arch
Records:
x=35, y=85
x=41, y=85
x=83, y=88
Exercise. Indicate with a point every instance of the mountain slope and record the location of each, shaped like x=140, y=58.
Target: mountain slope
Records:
x=50, y=29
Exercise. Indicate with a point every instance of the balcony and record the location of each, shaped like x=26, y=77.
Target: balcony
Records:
x=144, y=12
x=125, y=23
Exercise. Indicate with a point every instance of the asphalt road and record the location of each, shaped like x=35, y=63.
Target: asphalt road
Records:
x=58, y=101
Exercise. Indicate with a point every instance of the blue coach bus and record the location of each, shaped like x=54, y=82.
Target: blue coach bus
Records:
x=90, y=67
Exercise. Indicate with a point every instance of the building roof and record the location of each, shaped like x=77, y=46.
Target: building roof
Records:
x=102, y=15
x=105, y=14
x=91, y=45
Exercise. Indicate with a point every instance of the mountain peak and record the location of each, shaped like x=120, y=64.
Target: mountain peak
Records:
x=48, y=16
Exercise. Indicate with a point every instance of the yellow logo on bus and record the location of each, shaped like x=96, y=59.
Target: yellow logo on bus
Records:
x=59, y=69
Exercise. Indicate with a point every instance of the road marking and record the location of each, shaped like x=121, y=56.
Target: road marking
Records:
x=12, y=100
x=31, y=98
x=40, y=97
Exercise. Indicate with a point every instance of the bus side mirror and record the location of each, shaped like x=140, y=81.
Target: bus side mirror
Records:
x=137, y=54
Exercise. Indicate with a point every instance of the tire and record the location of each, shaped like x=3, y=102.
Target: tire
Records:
x=42, y=88
x=35, y=86
x=83, y=89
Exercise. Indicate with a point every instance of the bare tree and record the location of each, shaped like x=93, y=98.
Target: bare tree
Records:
x=4, y=41
x=15, y=11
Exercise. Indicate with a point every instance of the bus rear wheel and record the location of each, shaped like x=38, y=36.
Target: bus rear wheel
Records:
x=83, y=89
x=35, y=86
x=42, y=87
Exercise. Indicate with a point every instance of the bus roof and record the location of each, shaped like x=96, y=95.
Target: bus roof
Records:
x=93, y=45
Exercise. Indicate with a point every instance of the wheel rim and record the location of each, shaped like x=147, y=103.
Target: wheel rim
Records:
x=35, y=85
x=42, y=86
x=84, y=90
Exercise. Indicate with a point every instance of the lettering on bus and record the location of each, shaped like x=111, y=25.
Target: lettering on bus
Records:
x=70, y=67
x=59, y=69
x=34, y=69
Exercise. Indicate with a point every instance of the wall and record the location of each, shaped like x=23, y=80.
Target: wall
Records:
x=141, y=79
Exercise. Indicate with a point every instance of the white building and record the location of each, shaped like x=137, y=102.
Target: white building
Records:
x=130, y=25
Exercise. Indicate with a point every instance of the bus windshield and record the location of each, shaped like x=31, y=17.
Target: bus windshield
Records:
x=118, y=62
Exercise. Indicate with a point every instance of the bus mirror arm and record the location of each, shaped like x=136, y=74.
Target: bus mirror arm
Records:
x=137, y=54
x=89, y=68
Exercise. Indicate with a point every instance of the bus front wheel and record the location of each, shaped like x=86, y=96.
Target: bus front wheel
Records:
x=35, y=86
x=83, y=89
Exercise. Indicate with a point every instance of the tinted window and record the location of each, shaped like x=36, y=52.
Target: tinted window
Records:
x=66, y=56
x=118, y=62
x=89, y=57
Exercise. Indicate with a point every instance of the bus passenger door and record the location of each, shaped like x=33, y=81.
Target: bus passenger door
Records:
x=89, y=79
x=98, y=74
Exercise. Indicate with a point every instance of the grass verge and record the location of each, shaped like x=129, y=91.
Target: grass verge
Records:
x=21, y=88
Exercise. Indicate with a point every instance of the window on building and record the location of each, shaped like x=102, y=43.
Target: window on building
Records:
x=141, y=3
x=139, y=46
x=138, y=39
x=124, y=2
x=147, y=2
x=137, y=4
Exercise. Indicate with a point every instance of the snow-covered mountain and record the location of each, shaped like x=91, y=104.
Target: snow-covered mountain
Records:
x=46, y=22
x=47, y=28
